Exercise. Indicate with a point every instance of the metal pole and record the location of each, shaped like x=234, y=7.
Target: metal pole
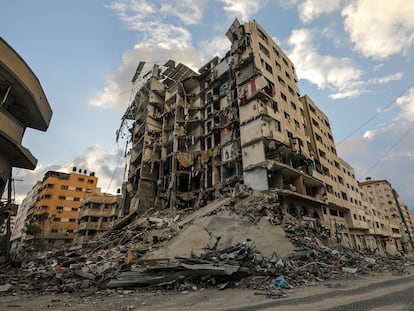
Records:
x=9, y=207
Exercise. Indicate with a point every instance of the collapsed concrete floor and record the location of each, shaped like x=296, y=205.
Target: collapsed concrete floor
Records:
x=238, y=241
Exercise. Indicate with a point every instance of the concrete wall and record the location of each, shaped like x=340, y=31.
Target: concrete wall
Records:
x=256, y=179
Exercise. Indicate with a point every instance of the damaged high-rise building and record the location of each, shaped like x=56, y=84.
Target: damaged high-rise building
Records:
x=239, y=120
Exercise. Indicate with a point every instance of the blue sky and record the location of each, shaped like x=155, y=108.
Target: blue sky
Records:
x=353, y=58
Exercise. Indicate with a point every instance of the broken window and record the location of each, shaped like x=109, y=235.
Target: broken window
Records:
x=229, y=170
x=183, y=182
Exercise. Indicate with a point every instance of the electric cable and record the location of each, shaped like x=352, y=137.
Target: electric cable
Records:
x=389, y=150
x=375, y=115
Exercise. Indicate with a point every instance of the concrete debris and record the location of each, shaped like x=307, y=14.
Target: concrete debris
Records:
x=243, y=240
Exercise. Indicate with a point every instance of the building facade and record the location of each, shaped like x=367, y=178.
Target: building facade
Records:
x=23, y=104
x=98, y=213
x=52, y=221
x=19, y=232
x=387, y=217
x=242, y=119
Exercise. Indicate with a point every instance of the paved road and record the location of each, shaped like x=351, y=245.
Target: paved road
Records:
x=394, y=295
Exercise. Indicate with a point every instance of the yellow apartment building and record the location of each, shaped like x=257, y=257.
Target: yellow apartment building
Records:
x=54, y=218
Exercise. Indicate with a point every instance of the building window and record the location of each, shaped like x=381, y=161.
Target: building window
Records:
x=64, y=187
x=278, y=65
x=59, y=208
x=285, y=61
x=297, y=124
x=291, y=91
x=318, y=138
x=264, y=50
x=81, y=179
x=274, y=106
x=262, y=35
x=90, y=181
x=268, y=67
x=283, y=96
x=278, y=125
x=50, y=186
x=276, y=52
x=76, y=199
x=333, y=212
x=72, y=220
x=281, y=81
x=54, y=230
x=78, y=189
x=293, y=105
x=57, y=219
x=62, y=197
x=287, y=75
x=74, y=209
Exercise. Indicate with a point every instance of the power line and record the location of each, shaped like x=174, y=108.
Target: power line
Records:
x=389, y=150
x=113, y=174
x=375, y=115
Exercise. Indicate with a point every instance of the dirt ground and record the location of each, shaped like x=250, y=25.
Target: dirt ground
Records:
x=201, y=299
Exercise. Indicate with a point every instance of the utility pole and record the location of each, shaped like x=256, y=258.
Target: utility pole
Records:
x=9, y=211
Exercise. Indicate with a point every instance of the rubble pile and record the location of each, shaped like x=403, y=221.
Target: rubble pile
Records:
x=311, y=261
x=121, y=258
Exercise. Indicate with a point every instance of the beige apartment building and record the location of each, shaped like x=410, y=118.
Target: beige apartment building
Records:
x=242, y=120
x=390, y=219
x=98, y=213
x=18, y=235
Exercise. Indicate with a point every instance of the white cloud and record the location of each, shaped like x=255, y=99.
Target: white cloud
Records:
x=160, y=42
x=143, y=17
x=188, y=11
x=386, y=79
x=118, y=89
x=217, y=46
x=311, y=9
x=337, y=74
x=105, y=163
x=379, y=29
x=242, y=9
x=382, y=155
x=369, y=134
x=406, y=103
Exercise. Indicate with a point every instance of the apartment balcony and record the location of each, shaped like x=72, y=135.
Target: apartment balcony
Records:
x=98, y=212
x=88, y=226
x=28, y=103
x=10, y=138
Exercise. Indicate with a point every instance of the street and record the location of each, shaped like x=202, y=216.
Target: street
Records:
x=380, y=292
